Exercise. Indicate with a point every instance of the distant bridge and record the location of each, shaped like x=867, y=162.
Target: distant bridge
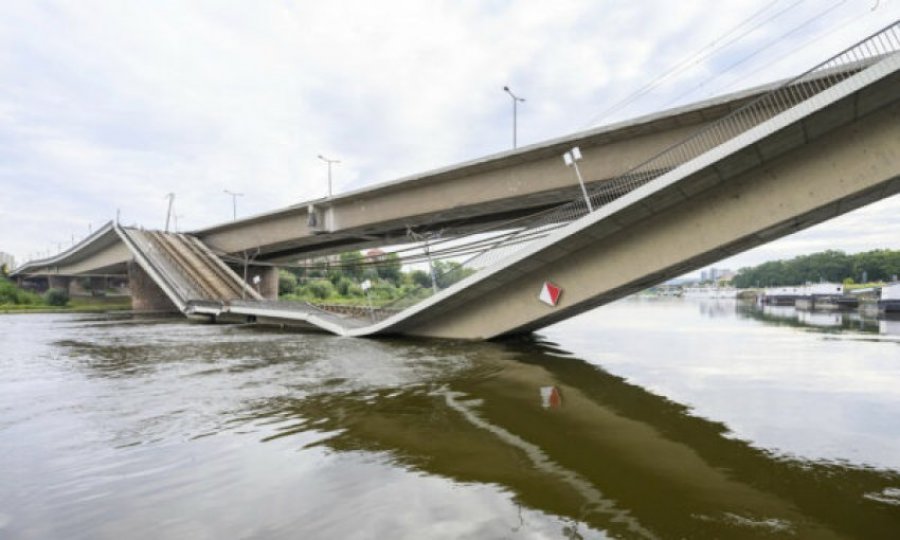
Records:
x=669, y=193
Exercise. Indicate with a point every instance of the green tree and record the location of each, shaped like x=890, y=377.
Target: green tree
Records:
x=389, y=268
x=56, y=297
x=834, y=266
x=287, y=282
x=320, y=289
x=344, y=286
x=369, y=273
x=11, y=294
x=351, y=264
x=420, y=278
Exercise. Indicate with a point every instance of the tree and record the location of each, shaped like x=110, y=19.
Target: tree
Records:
x=56, y=297
x=343, y=286
x=320, y=288
x=287, y=282
x=420, y=278
x=351, y=264
x=833, y=266
x=389, y=268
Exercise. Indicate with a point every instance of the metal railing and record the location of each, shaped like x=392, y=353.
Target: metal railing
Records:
x=525, y=231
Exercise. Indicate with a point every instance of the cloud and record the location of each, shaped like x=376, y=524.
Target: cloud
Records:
x=109, y=105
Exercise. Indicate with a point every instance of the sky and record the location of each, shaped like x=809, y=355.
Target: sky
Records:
x=107, y=106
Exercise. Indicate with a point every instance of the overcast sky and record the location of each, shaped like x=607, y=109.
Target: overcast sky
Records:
x=109, y=105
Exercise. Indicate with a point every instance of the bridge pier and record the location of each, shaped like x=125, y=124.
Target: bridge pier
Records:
x=37, y=284
x=145, y=293
x=59, y=282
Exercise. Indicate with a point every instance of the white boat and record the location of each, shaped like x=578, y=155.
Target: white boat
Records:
x=890, y=298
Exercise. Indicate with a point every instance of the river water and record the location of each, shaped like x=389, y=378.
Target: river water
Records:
x=642, y=419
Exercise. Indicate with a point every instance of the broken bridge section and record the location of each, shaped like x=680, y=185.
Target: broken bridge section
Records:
x=198, y=283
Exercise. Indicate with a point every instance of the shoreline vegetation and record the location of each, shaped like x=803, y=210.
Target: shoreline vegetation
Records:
x=16, y=300
x=339, y=283
x=831, y=266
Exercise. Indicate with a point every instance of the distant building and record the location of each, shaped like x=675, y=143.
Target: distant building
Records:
x=726, y=276
x=715, y=275
x=7, y=260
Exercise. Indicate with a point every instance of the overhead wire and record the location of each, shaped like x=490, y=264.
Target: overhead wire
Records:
x=731, y=66
x=801, y=47
x=693, y=59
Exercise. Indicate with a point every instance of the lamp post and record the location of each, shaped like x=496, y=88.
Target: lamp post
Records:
x=171, y=197
x=234, y=197
x=515, y=101
x=572, y=157
x=329, y=162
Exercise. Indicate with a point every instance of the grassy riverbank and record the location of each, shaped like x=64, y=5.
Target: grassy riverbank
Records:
x=14, y=299
x=76, y=304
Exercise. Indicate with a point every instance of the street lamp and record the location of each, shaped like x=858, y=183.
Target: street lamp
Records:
x=329, y=162
x=515, y=101
x=234, y=197
x=572, y=157
x=171, y=197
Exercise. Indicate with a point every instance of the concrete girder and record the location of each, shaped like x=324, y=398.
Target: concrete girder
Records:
x=488, y=190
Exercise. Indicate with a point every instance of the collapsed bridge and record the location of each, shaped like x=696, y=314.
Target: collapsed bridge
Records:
x=665, y=194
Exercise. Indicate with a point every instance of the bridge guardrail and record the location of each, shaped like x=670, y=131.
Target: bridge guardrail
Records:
x=523, y=232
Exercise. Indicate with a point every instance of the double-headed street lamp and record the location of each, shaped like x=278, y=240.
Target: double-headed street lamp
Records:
x=329, y=162
x=515, y=101
x=234, y=197
x=572, y=157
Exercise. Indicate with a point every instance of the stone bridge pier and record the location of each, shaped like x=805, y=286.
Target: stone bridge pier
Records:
x=146, y=295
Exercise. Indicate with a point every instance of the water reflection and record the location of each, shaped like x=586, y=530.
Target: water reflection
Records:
x=716, y=308
x=159, y=426
x=839, y=320
x=889, y=327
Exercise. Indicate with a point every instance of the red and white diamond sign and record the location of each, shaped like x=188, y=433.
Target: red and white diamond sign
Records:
x=550, y=294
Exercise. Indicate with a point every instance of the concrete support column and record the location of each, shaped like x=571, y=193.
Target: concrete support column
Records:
x=59, y=282
x=268, y=281
x=145, y=293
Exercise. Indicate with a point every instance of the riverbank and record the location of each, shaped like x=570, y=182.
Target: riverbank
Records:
x=77, y=304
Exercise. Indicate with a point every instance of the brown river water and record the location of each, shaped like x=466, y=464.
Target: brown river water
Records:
x=642, y=419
